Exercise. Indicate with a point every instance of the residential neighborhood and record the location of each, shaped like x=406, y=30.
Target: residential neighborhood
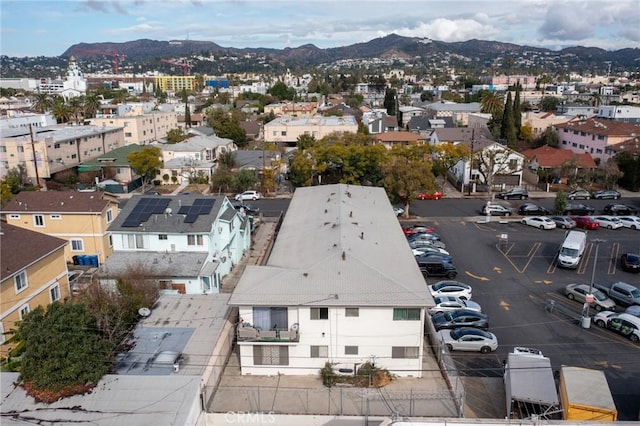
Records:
x=300, y=246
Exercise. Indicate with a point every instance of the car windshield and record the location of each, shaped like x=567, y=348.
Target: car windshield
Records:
x=565, y=251
x=457, y=333
x=635, y=293
x=599, y=296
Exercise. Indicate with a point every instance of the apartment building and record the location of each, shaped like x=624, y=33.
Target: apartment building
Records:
x=287, y=129
x=141, y=125
x=81, y=218
x=45, y=151
x=34, y=273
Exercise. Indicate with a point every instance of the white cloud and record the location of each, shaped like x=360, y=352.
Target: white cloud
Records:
x=450, y=30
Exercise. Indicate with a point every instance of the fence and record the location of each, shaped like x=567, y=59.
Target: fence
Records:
x=336, y=401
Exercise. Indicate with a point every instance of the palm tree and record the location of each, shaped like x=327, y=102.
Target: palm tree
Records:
x=91, y=105
x=76, y=108
x=491, y=103
x=61, y=111
x=42, y=103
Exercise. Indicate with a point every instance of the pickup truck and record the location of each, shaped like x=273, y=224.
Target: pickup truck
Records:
x=622, y=293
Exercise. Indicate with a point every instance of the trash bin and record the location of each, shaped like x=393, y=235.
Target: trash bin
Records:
x=76, y=260
x=94, y=260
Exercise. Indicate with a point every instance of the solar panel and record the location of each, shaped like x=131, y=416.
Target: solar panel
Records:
x=143, y=210
x=200, y=206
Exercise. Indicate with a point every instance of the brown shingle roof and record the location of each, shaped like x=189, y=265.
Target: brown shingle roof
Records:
x=396, y=137
x=599, y=126
x=57, y=202
x=20, y=247
x=549, y=157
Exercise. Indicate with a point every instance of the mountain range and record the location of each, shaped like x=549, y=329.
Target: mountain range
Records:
x=393, y=45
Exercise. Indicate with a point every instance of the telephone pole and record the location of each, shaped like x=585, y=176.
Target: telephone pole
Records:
x=35, y=158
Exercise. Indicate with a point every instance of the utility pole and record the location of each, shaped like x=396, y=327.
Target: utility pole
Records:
x=35, y=158
x=586, y=320
x=473, y=138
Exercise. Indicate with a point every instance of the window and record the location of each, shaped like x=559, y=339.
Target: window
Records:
x=270, y=355
x=38, y=220
x=352, y=312
x=406, y=314
x=513, y=164
x=21, y=281
x=195, y=240
x=3, y=148
x=319, y=351
x=600, y=137
x=351, y=350
x=24, y=310
x=110, y=240
x=55, y=216
x=20, y=148
x=404, y=352
x=2, y=335
x=162, y=236
x=55, y=293
x=319, y=313
x=77, y=245
x=56, y=145
x=127, y=134
x=109, y=216
x=275, y=318
x=14, y=216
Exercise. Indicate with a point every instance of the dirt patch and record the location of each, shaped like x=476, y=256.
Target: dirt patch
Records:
x=51, y=396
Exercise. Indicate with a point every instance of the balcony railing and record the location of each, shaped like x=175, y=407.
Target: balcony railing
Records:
x=253, y=334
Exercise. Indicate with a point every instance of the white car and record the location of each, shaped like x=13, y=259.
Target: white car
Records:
x=428, y=249
x=632, y=222
x=398, y=210
x=541, y=222
x=468, y=339
x=451, y=288
x=609, y=222
x=248, y=195
x=450, y=303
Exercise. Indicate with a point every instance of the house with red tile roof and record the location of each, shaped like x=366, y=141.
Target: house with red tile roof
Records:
x=594, y=135
x=546, y=157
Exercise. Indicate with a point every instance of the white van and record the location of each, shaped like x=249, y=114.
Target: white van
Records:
x=572, y=249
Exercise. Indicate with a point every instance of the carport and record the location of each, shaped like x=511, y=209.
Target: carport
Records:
x=530, y=388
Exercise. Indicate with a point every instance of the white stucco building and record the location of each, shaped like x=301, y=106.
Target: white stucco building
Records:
x=287, y=129
x=329, y=293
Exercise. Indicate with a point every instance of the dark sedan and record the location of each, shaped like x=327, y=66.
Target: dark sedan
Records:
x=532, y=209
x=579, y=209
x=620, y=209
x=460, y=318
x=630, y=262
x=606, y=194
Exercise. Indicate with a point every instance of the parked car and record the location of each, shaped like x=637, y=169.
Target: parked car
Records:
x=495, y=210
x=249, y=195
x=532, y=209
x=437, y=268
x=423, y=236
x=249, y=209
x=631, y=222
x=418, y=229
x=581, y=194
x=451, y=303
x=620, y=209
x=579, y=292
x=427, y=243
x=633, y=310
x=606, y=194
x=451, y=288
x=630, y=262
x=429, y=249
x=460, y=318
x=426, y=256
x=429, y=195
x=585, y=222
x=579, y=209
x=622, y=323
x=564, y=222
x=514, y=194
x=468, y=339
x=624, y=294
x=541, y=222
x=398, y=210
x=609, y=222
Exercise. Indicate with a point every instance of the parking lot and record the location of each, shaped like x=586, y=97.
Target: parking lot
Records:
x=512, y=269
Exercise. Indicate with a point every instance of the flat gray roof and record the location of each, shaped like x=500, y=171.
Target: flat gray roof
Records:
x=172, y=264
x=337, y=240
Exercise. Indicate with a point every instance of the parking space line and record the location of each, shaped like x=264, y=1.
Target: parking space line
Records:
x=613, y=257
x=508, y=250
x=530, y=256
x=553, y=265
x=582, y=267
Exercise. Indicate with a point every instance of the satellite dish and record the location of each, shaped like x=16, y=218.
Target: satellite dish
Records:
x=144, y=312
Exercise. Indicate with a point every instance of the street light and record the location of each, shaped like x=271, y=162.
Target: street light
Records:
x=586, y=321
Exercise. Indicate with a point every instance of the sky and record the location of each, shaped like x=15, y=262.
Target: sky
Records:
x=50, y=27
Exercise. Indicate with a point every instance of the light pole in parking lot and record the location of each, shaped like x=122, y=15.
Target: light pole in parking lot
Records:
x=586, y=321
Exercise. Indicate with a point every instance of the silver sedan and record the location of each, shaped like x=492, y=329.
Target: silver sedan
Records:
x=579, y=292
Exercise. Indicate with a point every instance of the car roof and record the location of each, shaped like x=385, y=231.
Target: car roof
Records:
x=628, y=317
x=473, y=331
x=445, y=283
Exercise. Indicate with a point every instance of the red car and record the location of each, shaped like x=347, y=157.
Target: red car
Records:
x=585, y=222
x=418, y=229
x=430, y=196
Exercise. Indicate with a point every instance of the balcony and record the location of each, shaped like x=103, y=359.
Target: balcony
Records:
x=248, y=333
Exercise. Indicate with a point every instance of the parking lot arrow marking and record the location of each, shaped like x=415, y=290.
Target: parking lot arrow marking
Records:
x=477, y=277
x=545, y=282
x=497, y=269
x=504, y=305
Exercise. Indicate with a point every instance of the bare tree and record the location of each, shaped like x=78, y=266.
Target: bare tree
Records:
x=496, y=160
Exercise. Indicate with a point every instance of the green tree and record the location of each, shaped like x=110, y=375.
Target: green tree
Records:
x=427, y=95
x=227, y=159
x=61, y=110
x=227, y=126
x=306, y=141
x=42, y=103
x=146, y=164
x=445, y=156
x=16, y=178
x=91, y=104
x=517, y=111
x=549, y=137
x=63, y=348
x=222, y=179
x=76, y=108
x=176, y=135
x=244, y=180
x=390, y=102
x=187, y=111
x=493, y=161
x=507, y=127
x=561, y=202
x=408, y=170
x=549, y=103
x=282, y=91
x=629, y=165
x=301, y=169
x=491, y=103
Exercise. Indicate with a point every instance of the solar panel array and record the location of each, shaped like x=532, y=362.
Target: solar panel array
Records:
x=144, y=209
x=200, y=206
